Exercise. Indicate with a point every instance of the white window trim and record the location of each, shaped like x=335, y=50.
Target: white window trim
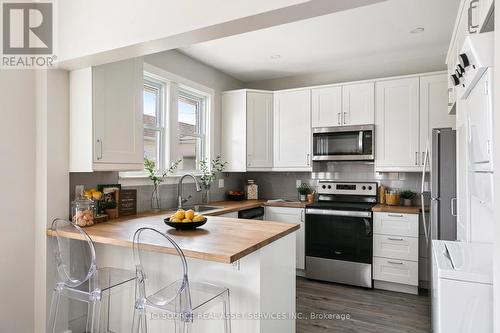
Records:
x=138, y=178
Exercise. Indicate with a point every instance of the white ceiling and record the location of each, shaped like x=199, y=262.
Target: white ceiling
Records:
x=377, y=34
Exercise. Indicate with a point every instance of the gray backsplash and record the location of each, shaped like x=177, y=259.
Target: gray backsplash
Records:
x=272, y=185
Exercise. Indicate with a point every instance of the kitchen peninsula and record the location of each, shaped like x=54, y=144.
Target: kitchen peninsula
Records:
x=254, y=259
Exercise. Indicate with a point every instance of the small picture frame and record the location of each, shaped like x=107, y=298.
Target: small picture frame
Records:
x=110, y=201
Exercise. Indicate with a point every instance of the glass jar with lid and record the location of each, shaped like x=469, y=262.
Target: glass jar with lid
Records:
x=252, y=190
x=82, y=212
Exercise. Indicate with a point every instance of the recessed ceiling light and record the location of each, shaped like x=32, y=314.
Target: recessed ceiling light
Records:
x=275, y=56
x=417, y=30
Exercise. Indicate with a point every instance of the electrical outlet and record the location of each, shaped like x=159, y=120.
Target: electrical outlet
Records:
x=79, y=190
x=298, y=182
x=221, y=183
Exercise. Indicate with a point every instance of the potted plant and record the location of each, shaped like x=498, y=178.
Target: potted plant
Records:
x=209, y=174
x=110, y=207
x=157, y=177
x=303, y=190
x=407, y=197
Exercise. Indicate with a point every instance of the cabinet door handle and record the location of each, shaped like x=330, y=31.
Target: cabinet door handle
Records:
x=345, y=117
x=423, y=158
x=394, y=239
x=339, y=116
x=395, y=215
x=308, y=160
x=302, y=215
x=395, y=262
x=470, y=26
x=416, y=158
x=99, y=156
x=453, y=204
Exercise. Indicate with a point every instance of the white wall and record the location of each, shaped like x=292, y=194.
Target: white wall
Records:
x=193, y=70
x=17, y=200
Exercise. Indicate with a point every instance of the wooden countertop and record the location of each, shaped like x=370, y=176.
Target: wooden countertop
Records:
x=221, y=239
x=290, y=204
x=397, y=209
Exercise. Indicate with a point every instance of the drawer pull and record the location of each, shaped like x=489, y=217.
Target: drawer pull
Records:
x=395, y=262
x=394, y=239
x=337, y=252
x=395, y=215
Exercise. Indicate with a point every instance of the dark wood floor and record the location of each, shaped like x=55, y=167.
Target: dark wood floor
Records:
x=369, y=310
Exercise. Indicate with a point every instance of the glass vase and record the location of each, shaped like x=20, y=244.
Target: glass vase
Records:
x=155, y=198
x=205, y=195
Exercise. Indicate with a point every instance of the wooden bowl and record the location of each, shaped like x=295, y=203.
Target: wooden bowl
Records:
x=184, y=225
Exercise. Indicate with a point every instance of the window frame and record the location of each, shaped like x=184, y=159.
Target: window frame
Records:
x=161, y=88
x=173, y=83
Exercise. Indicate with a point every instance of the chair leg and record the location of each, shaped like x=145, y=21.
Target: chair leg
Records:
x=139, y=321
x=93, y=316
x=226, y=308
x=54, y=307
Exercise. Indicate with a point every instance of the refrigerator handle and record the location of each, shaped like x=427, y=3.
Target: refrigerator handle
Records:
x=422, y=197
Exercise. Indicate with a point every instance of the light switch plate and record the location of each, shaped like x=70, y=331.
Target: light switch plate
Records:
x=221, y=183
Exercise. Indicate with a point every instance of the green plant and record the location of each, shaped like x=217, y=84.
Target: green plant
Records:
x=304, y=189
x=109, y=204
x=156, y=176
x=407, y=194
x=209, y=173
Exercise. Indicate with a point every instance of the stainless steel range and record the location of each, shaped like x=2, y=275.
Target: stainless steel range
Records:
x=339, y=233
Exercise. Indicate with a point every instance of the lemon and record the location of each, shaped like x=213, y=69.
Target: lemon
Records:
x=180, y=214
x=175, y=220
x=198, y=218
x=189, y=214
x=187, y=220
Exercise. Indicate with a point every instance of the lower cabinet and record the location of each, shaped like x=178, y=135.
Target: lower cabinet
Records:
x=396, y=251
x=291, y=215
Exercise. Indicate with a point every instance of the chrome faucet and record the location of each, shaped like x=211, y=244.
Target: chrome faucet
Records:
x=180, y=200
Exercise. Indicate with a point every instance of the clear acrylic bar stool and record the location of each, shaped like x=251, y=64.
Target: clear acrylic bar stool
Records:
x=177, y=296
x=78, y=277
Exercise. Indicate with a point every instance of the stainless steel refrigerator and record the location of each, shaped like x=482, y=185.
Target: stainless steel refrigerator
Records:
x=443, y=194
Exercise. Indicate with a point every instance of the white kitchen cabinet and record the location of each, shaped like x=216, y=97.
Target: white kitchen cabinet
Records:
x=358, y=104
x=295, y=216
x=234, y=130
x=480, y=124
x=397, y=133
x=326, y=105
x=247, y=130
x=433, y=109
x=106, y=126
x=396, y=251
x=292, y=130
x=259, y=131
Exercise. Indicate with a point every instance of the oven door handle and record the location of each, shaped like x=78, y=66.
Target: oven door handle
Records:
x=315, y=211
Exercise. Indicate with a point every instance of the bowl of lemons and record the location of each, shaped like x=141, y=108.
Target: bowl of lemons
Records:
x=185, y=220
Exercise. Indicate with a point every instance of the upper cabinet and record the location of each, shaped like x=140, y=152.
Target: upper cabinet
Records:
x=433, y=105
x=292, y=130
x=327, y=106
x=352, y=104
x=106, y=126
x=259, y=130
x=358, y=104
x=407, y=110
x=247, y=130
x=397, y=125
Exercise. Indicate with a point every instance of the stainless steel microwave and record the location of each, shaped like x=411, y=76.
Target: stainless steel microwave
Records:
x=344, y=143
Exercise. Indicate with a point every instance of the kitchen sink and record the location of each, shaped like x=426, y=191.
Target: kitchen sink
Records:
x=201, y=208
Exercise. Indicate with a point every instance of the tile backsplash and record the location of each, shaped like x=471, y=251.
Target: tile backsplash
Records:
x=272, y=185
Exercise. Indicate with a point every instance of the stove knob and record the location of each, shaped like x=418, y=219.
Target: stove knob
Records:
x=369, y=188
x=323, y=187
x=455, y=79
x=461, y=69
x=464, y=60
x=458, y=73
x=364, y=188
x=329, y=187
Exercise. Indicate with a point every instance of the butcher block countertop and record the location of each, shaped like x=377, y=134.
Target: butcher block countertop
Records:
x=221, y=239
x=397, y=209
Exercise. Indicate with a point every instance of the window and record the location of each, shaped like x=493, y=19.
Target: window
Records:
x=177, y=118
x=190, y=129
x=153, y=115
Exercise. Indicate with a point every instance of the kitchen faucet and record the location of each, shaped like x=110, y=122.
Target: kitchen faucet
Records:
x=180, y=200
